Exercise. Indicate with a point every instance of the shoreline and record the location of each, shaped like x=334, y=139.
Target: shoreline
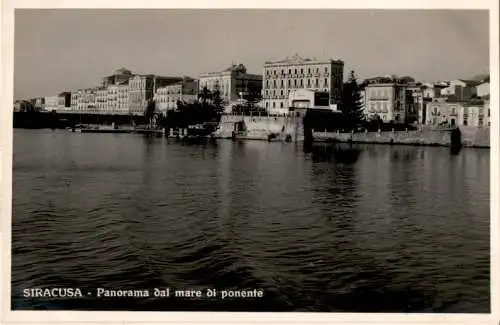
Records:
x=316, y=139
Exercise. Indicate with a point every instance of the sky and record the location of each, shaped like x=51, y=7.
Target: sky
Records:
x=66, y=49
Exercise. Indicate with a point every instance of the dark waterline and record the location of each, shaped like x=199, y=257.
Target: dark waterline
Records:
x=361, y=228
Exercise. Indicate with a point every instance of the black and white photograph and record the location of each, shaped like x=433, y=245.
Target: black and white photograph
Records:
x=252, y=160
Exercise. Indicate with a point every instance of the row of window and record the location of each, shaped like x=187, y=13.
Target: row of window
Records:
x=275, y=104
x=296, y=71
x=296, y=83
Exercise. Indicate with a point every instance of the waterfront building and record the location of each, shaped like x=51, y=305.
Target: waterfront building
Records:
x=458, y=113
x=75, y=98
x=142, y=88
x=51, y=103
x=281, y=78
x=233, y=83
x=117, y=99
x=386, y=101
x=64, y=101
x=89, y=100
x=101, y=99
x=39, y=103
x=120, y=76
x=167, y=97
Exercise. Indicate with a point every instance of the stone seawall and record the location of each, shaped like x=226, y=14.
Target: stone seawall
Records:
x=470, y=137
x=475, y=137
x=260, y=127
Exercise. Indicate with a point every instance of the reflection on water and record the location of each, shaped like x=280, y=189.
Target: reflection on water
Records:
x=340, y=227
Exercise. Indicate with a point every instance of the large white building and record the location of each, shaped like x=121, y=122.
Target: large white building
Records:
x=51, y=103
x=455, y=113
x=281, y=78
x=233, y=83
x=167, y=97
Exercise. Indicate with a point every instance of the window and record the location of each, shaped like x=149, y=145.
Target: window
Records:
x=274, y=105
x=289, y=82
x=326, y=69
x=274, y=83
x=281, y=92
x=326, y=82
x=295, y=82
x=308, y=83
x=309, y=70
x=267, y=105
x=295, y=71
x=488, y=112
x=281, y=105
x=289, y=71
x=301, y=71
x=282, y=82
x=317, y=83
x=301, y=83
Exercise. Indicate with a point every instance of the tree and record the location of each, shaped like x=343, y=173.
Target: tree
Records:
x=217, y=102
x=351, y=106
x=205, y=95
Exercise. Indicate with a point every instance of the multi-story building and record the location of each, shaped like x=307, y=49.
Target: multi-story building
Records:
x=64, y=101
x=142, y=89
x=89, y=100
x=117, y=99
x=386, y=101
x=166, y=97
x=76, y=100
x=233, y=83
x=281, y=78
x=39, y=103
x=51, y=102
x=83, y=100
x=101, y=100
x=458, y=113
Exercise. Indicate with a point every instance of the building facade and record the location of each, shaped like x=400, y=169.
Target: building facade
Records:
x=51, y=103
x=101, y=100
x=75, y=100
x=483, y=89
x=386, y=101
x=454, y=113
x=64, y=101
x=89, y=100
x=233, y=83
x=167, y=97
x=282, y=77
x=141, y=89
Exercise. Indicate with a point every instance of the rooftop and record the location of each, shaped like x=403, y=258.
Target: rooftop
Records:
x=297, y=59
